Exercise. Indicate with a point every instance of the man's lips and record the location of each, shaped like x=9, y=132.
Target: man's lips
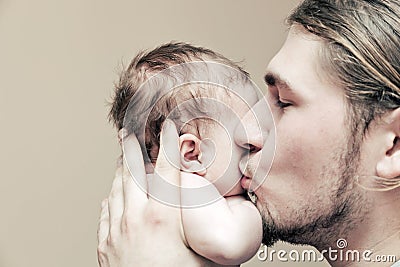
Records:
x=246, y=182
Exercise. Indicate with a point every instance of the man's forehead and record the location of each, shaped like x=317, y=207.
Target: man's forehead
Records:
x=297, y=62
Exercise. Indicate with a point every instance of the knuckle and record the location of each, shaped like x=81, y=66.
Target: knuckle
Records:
x=112, y=239
x=104, y=202
x=102, y=259
x=101, y=249
x=128, y=222
x=113, y=194
x=154, y=217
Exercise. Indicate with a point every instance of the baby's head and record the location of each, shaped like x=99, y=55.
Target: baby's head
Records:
x=158, y=85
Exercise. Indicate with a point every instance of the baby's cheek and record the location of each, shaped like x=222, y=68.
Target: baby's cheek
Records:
x=227, y=179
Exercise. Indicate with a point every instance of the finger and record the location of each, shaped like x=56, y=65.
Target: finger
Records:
x=134, y=180
x=168, y=161
x=165, y=185
x=116, y=202
x=103, y=227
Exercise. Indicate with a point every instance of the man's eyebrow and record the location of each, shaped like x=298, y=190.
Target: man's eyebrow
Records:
x=273, y=79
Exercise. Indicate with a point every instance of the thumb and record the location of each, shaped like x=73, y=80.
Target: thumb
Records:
x=168, y=160
x=165, y=185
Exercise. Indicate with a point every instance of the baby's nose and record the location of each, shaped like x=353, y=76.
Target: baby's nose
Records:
x=254, y=127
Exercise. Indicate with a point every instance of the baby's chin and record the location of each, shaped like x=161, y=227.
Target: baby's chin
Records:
x=237, y=190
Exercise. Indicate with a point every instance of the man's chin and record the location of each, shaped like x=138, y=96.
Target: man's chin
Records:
x=270, y=233
x=319, y=232
x=269, y=240
x=273, y=234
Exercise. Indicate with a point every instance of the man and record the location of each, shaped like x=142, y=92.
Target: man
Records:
x=334, y=90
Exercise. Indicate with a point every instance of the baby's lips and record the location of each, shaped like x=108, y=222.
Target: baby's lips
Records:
x=245, y=182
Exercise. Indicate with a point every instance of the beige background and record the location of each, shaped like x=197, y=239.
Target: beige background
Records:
x=58, y=61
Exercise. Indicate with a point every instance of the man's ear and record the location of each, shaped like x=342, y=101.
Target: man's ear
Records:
x=191, y=154
x=389, y=166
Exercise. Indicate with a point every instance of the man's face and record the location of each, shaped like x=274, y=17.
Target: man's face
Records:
x=306, y=191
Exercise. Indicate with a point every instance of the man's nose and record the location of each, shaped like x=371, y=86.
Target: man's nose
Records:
x=255, y=126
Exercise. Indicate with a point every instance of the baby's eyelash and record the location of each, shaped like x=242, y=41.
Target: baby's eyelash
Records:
x=281, y=104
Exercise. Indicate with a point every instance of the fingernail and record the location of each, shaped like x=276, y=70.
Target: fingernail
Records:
x=119, y=161
x=122, y=134
x=103, y=203
x=168, y=124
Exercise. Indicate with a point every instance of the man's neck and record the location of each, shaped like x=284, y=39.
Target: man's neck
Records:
x=376, y=239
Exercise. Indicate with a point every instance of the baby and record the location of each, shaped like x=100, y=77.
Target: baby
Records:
x=223, y=226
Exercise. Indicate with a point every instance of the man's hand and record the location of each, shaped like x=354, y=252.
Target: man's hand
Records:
x=137, y=230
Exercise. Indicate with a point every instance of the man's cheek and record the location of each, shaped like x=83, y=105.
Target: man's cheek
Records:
x=290, y=153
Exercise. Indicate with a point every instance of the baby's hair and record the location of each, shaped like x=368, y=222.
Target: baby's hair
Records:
x=143, y=67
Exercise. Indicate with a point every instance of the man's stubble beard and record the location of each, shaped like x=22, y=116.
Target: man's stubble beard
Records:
x=322, y=226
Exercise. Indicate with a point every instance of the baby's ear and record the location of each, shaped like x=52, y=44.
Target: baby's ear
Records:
x=191, y=154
